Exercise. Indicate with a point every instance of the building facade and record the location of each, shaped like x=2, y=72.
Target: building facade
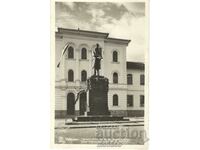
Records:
x=126, y=79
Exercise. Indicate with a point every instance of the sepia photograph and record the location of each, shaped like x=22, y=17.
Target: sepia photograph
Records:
x=100, y=73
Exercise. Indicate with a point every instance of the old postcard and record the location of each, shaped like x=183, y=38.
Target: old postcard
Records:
x=99, y=74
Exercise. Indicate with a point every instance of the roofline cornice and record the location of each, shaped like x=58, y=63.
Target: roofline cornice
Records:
x=93, y=34
x=82, y=33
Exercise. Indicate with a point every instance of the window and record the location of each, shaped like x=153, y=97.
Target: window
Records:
x=84, y=53
x=141, y=79
x=115, y=77
x=115, y=100
x=70, y=52
x=83, y=75
x=129, y=79
x=70, y=75
x=129, y=100
x=115, y=56
x=141, y=100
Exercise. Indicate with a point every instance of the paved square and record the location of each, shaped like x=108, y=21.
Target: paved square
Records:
x=104, y=135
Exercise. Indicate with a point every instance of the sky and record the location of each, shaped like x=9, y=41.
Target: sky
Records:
x=120, y=20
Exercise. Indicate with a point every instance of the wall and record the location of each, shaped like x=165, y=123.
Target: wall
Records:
x=135, y=89
x=110, y=67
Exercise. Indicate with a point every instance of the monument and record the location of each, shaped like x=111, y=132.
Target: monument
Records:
x=98, y=56
x=98, y=87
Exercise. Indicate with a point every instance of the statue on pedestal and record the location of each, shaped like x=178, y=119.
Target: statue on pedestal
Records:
x=98, y=57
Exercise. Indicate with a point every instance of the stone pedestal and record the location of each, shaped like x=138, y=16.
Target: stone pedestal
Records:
x=98, y=95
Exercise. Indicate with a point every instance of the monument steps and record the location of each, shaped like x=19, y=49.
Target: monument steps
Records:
x=100, y=118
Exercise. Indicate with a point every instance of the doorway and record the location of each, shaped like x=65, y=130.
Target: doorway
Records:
x=70, y=104
x=83, y=99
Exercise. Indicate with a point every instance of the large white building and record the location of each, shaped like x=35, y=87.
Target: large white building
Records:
x=126, y=79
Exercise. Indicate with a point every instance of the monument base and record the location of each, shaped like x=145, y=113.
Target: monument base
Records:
x=98, y=95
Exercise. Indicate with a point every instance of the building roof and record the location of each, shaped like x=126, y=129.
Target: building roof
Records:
x=83, y=32
x=93, y=34
x=135, y=65
x=116, y=41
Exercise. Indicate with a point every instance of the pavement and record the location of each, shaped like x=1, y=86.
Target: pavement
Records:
x=102, y=136
x=104, y=133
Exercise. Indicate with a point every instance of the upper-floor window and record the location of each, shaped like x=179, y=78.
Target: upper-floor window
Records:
x=141, y=100
x=115, y=56
x=83, y=75
x=130, y=100
x=115, y=100
x=142, y=79
x=115, y=77
x=70, y=52
x=129, y=79
x=71, y=75
x=83, y=53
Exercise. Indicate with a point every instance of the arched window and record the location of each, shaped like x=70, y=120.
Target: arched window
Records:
x=115, y=100
x=70, y=52
x=129, y=79
x=115, y=56
x=70, y=75
x=83, y=75
x=115, y=77
x=84, y=53
x=70, y=103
